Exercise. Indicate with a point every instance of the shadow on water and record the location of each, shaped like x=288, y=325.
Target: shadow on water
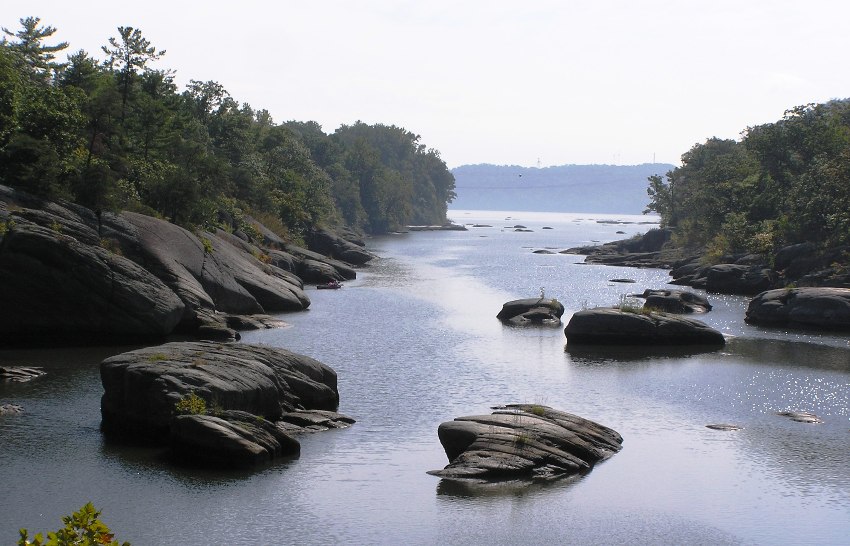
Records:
x=594, y=354
x=504, y=488
x=789, y=353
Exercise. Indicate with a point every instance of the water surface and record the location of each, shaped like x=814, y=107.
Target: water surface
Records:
x=415, y=342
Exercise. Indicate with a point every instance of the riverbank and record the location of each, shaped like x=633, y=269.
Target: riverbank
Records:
x=76, y=276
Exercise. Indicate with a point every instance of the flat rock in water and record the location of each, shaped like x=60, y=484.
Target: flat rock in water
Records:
x=523, y=441
x=812, y=308
x=10, y=409
x=605, y=326
x=724, y=427
x=801, y=416
x=19, y=374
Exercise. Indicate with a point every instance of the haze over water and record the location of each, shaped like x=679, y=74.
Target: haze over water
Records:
x=415, y=342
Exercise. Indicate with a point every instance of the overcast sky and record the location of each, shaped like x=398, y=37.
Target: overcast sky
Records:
x=502, y=82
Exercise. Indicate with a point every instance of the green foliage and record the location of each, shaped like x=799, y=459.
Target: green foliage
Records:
x=782, y=183
x=208, y=246
x=117, y=134
x=82, y=528
x=539, y=411
x=157, y=357
x=6, y=226
x=112, y=245
x=191, y=404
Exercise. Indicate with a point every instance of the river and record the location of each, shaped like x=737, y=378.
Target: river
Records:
x=415, y=342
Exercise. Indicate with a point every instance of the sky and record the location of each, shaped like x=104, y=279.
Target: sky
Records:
x=531, y=83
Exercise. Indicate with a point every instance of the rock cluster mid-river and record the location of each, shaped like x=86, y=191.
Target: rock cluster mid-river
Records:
x=415, y=342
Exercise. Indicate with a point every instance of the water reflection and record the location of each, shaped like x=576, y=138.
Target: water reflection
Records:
x=505, y=488
x=592, y=355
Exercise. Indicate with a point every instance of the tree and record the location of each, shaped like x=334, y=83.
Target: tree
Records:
x=29, y=45
x=82, y=528
x=661, y=199
x=130, y=54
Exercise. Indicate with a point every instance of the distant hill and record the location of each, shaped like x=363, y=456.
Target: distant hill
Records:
x=611, y=189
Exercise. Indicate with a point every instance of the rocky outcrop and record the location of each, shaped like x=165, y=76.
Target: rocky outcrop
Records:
x=246, y=401
x=333, y=245
x=531, y=311
x=53, y=285
x=674, y=301
x=726, y=278
x=605, y=326
x=647, y=250
x=76, y=274
x=813, y=308
x=523, y=441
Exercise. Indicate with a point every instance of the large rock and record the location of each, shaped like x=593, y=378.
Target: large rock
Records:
x=184, y=263
x=739, y=279
x=331, y=244
x=231, y=438
x=605, y=326
x=647, y=250
x=51, y=284
x=523, y=441
x=142, y=387
x=675, y=301
x=818, y=308
x=531, y=310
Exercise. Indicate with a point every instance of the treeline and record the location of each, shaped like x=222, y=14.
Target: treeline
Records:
x=783, y=183
x=118, y=134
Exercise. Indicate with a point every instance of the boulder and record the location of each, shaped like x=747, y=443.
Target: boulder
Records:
x=675, y=301
x=531, y=310
x=343, y=270
x=739, y=279
x=143, y=387
x=230, y=438
x=816, y=308
x=331, y=244
x=523, y=441
x=606, y=326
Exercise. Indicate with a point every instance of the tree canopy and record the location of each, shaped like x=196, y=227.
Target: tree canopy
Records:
x=119, y=134
x=782, y=183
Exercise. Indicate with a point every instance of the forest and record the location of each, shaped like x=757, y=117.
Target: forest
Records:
x=782, y=183
x=116, y=134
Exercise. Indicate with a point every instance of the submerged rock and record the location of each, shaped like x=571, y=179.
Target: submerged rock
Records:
x=523, y=441
x=801, y=416
x=724, y=427
x=10, y=409
x=19, y=374
x=606, y=326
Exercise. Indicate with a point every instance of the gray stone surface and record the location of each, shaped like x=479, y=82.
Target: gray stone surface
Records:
x=815, y=308
x=523, y=441
x=606, y=326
